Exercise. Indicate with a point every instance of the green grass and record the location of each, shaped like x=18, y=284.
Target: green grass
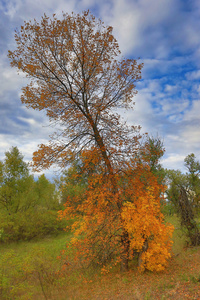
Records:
x=24, y=262
x=29, y=270
x=179, y=237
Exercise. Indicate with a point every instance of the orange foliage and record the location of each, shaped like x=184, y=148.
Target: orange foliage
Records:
x=78, y=79
x=134, y=208
x=145, y=224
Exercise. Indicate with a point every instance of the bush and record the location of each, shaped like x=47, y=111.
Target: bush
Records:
x=28, y=225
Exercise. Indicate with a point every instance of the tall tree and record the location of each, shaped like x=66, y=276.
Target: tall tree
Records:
x=78, y=79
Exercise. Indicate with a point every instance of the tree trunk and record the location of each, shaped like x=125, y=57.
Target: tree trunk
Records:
x=187, y=218
x=144, y=248
x=125, y=251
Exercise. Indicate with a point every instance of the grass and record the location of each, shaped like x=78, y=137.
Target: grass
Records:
x=28, y=270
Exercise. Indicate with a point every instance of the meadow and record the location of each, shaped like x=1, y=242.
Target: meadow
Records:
x=35, y=270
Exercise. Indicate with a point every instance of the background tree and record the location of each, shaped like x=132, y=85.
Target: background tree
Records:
x=46, y=193
x=73, y=183
x=78, y=79
x=174, y=179
x=189, y=181
x=28, y=208
x=17, y=185
x=193, y=175
x=151, y=151
x=182, y=192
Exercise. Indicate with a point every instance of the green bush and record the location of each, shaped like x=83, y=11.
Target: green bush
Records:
x=28, y=225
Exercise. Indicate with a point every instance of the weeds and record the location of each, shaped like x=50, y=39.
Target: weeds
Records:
x=195, y=279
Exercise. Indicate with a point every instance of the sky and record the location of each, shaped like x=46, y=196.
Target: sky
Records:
x=164, y=34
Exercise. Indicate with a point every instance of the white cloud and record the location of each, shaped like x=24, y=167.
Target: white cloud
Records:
x=30, y=121
x=194, y=75
x=174, y=161
x=174, y=107
x=12, y=6
x=193, y=114
x=171, y=88
x=140, y=25
x=9, y=79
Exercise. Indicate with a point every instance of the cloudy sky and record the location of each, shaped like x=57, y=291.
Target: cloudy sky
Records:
x=165, y=34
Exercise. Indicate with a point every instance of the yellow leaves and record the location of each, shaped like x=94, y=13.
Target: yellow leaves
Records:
x=145, y=223
x=156, y=257
x=101, y=223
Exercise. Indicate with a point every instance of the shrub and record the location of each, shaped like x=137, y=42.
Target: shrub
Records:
x=30, y=224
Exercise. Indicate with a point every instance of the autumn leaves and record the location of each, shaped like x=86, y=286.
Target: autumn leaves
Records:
x=78, y=79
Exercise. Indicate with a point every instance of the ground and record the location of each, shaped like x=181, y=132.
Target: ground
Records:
x=28, y=271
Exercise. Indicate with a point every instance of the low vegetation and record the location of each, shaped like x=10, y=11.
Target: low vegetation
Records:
x=38, y=259
x=35, y=270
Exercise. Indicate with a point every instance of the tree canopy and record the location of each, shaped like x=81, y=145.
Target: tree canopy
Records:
x=78, y=79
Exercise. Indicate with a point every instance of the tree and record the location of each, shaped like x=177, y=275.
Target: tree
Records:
x=151, y=152
x=190, y=182
x=99, y=223
x=175, y=179
x=16, y=185
x=183, y=192
x=78, y=79
x=28, y=208
x=73, y=183
x=14, y=166
x=193, y=166
x=46, y=192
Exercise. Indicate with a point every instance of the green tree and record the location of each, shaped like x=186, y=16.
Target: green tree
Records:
x=182, y=193
x=46, y=192
x=192, y=164
x=16, y=185
x=151, y=152
x=28, y=208
x=193, y=176
x=174, y=179
x=73, y=183
x=14, y=166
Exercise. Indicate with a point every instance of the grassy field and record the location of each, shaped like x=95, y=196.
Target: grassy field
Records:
x=30, y=270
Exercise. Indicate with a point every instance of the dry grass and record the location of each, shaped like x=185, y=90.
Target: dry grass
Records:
x=180, y=281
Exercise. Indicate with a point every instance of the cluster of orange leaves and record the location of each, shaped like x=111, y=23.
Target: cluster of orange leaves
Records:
x=104, y=215
x=145, y=222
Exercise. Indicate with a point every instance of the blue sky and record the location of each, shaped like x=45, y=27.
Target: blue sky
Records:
x=164, y=34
